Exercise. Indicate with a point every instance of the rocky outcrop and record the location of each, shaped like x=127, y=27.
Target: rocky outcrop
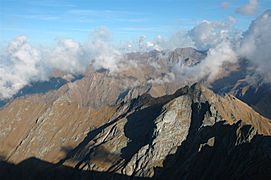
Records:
x=185, y=120
x=186, y=56
x=193, y=130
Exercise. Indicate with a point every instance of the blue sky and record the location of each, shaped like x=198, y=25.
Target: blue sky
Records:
x=43, y=21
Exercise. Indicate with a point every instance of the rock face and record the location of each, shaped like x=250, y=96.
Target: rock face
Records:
x=186, y=56
x=191, y=134
x=192, y=114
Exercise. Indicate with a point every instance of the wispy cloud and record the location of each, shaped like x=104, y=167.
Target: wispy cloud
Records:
x=23, y=63
x=136, y=20
x=225, y=5
x=101, y=13
x=50, y=3
x=144, y=29
x=89, y=15
x=42, y=17
x=248, y=9
x=84, y=16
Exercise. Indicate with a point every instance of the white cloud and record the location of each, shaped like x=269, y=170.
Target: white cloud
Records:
x=220, y=40
x=231, y=20
x=20, y=64
x=256, y=44
x=104, y=55
x=101, y=53
x=68, y=56
x=210, y=67
x=216, y=57
x=178, y=39
x=209, y=34
x=248, y=9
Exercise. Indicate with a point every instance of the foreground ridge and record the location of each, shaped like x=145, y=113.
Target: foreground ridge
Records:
x=173, y=136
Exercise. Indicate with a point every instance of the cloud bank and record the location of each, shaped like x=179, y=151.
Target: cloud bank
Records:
x=142, y=44
x=256, y=45
x=220, y=40
x=208, y=34
x=101, y=53
x=21, y=63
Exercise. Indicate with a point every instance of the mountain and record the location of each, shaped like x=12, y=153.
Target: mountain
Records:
x=192, y=130
x=142, y=71
x=141, y=121
x=154, y=72
x=243, y=83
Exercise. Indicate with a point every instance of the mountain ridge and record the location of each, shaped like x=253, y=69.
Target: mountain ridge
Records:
x=115, y=144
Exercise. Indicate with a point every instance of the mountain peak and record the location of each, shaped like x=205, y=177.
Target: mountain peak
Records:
x=138, y=137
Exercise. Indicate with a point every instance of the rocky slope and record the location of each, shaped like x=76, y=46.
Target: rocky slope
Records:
x=246, y=85
x=192, y=130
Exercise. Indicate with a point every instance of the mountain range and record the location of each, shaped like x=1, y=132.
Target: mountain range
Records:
x=143, y=121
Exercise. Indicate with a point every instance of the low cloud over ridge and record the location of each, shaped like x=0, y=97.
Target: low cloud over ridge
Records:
x=22, y=63
x=256, y=44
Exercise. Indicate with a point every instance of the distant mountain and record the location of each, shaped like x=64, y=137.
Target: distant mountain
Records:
x=140, y=122
x=249, y=87
x=41, y=87
x=37, y=88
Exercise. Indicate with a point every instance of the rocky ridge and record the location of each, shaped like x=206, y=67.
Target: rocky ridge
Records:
x=172, y=135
